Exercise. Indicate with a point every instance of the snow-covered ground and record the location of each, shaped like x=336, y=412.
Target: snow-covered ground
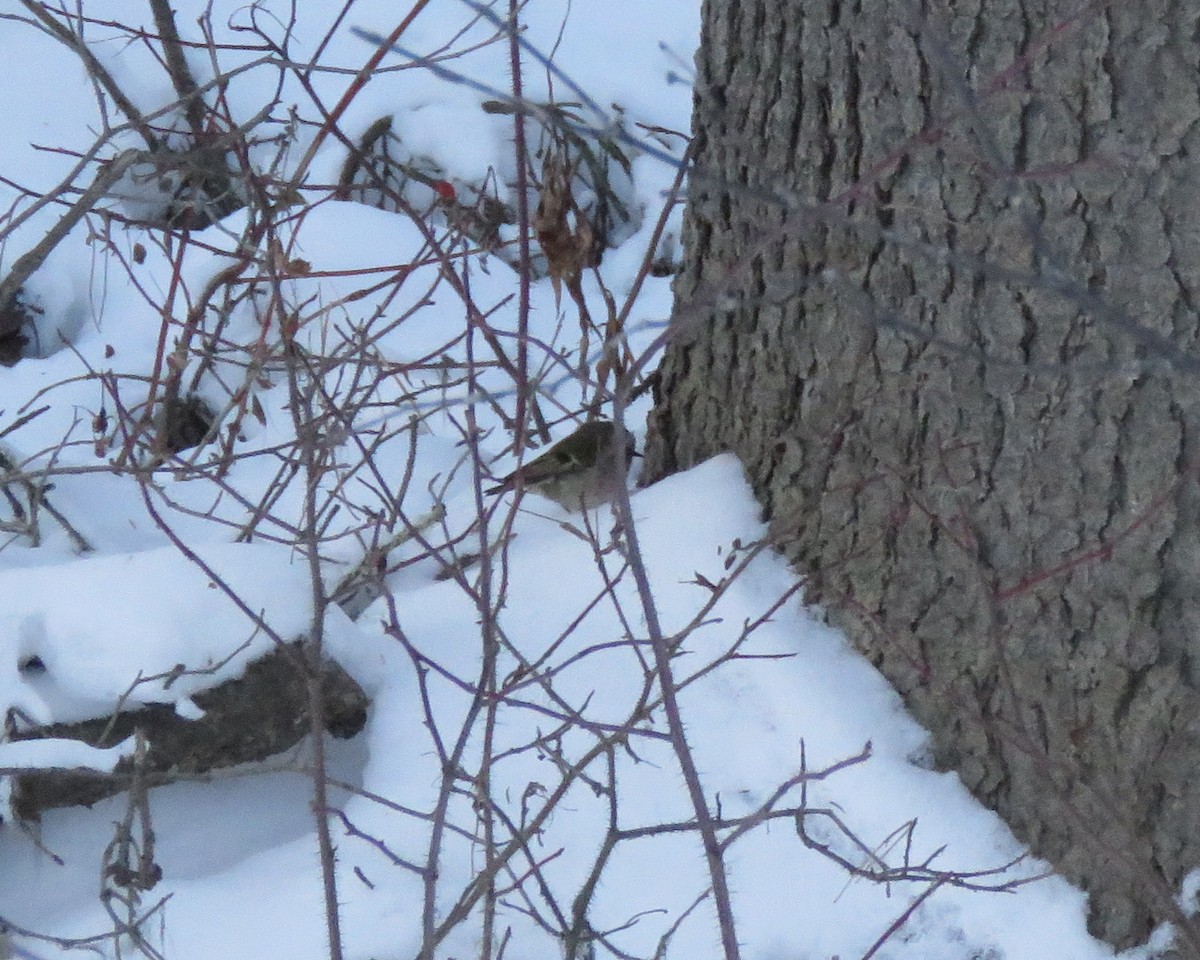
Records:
x=758, y=680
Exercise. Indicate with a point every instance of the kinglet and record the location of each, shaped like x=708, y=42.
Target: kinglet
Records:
x=581, y=471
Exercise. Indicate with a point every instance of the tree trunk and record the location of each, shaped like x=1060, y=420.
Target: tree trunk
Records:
x=940, y=290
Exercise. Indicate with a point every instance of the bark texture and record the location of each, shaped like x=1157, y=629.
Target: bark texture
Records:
x=940, y=289
x=247, y=719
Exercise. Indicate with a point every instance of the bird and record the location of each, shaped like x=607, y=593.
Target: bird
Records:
x=581, y=471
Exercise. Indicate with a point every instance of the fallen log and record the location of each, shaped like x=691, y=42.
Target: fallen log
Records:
x=247, y=719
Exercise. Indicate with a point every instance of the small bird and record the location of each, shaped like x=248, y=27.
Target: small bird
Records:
x=581, y=471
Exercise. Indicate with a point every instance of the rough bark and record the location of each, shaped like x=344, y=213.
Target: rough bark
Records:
x=250, y=718
x=940, y=290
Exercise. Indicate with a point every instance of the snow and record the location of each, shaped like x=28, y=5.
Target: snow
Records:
x=132, y=619
x=766, y=691
x=61, y=754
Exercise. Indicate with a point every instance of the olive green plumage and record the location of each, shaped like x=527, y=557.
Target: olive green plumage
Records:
x=581, y=471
